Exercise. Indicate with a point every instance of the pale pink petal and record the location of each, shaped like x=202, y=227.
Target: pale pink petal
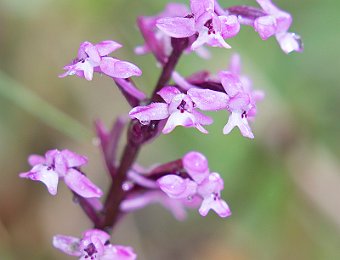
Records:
x=196, y=164
x=290, y=42
x=177, y=27
x=73, y=159
x=67, y=244
x=240, y=101
x=106, y=47
x=176, y=187
x=50, y=155
x=93, y=54
x=118, y=69
x=154, y=111
x=81, y=185
x=201, y=118
x=230, y=26
x=213, y=183
x=265, y=26
x=216, y=204
x=178, y=119
x=87, y=68
x=35, y=159
x=231, y=83
x=216, y=40
x=202, y=38
x=44, y=174
x=168, y=93
x=175, y=9
x=207, y=99
x=236, y=119
x=235, y=64
x=117, y=252
x=60, y=165
x=198, y=7
x=96, y=233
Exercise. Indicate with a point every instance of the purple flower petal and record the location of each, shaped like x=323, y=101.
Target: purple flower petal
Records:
x=154, y=111
x=196, y=165
x=176, y=187
x=67, y=244
x=35, y=159
x=201, y=118
x=44, y=174
x=168, y=93
x=198, y=7
x=240, y=101
x=177, y=27
x=106, y=47
x=266, y=26
x=73, y=159
x=81, y=185
x=117, y=252
x=181, y=119
x=207, y=99
x=231, y=83
x=213, y=183
x=236, y=119
x=118, y=69
x=230, y=26
x=290, y=42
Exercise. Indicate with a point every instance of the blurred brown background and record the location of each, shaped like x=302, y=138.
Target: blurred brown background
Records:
x=283, y=187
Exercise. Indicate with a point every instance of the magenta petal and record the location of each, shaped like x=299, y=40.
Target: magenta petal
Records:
x=230, y=82
x=207, y=99
x=236, y=119
x=196, y=165
x=93, y=54
x=201, y=118
x=265, y=26
x=119, y=69
x=198, y=7
x=230, y=26
x=117, y=252
x=35, y=159
x=106, y=47
x=96, y=233
x=44, y=174
x=81, y=185
x=176, y=187
x=67, y=244
x=177, y=27
x=154, y=111
x=168, y=93
x=73, y=159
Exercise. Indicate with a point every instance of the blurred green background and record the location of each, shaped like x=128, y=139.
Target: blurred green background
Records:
x=283, y=187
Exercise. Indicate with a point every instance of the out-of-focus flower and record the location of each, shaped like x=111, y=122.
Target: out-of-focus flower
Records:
x=180, y=108
x=94, y=58
x=277, y=22
x=94, y=244
x=61, y=164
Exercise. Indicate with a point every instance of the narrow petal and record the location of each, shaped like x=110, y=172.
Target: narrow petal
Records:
x=106, y=47
x=67, y=244
x=154, y=111
x=177, y=27
x=235, y=119
x=203, y=37
x=119, y=69
x=44, y=174
x=81, y=185
x=168, y=93
x=207, y=99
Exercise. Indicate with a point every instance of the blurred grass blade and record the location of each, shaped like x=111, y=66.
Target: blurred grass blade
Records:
x=29, y=101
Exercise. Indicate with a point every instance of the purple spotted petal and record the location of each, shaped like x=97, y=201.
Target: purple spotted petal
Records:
x=118, y=69
x=168, y=93
x=196, y=165
x=154, y=111
x=67, y=244
x=207, y=99
x=177, y=27
x=176, y=187
x=44, y=174
x=106, y=47
x=81, y=185
x=236, y=119
x=216, y=204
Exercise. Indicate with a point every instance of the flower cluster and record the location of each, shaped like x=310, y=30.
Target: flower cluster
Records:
x=188, y=181
x=94, y=245
x=64, y=165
